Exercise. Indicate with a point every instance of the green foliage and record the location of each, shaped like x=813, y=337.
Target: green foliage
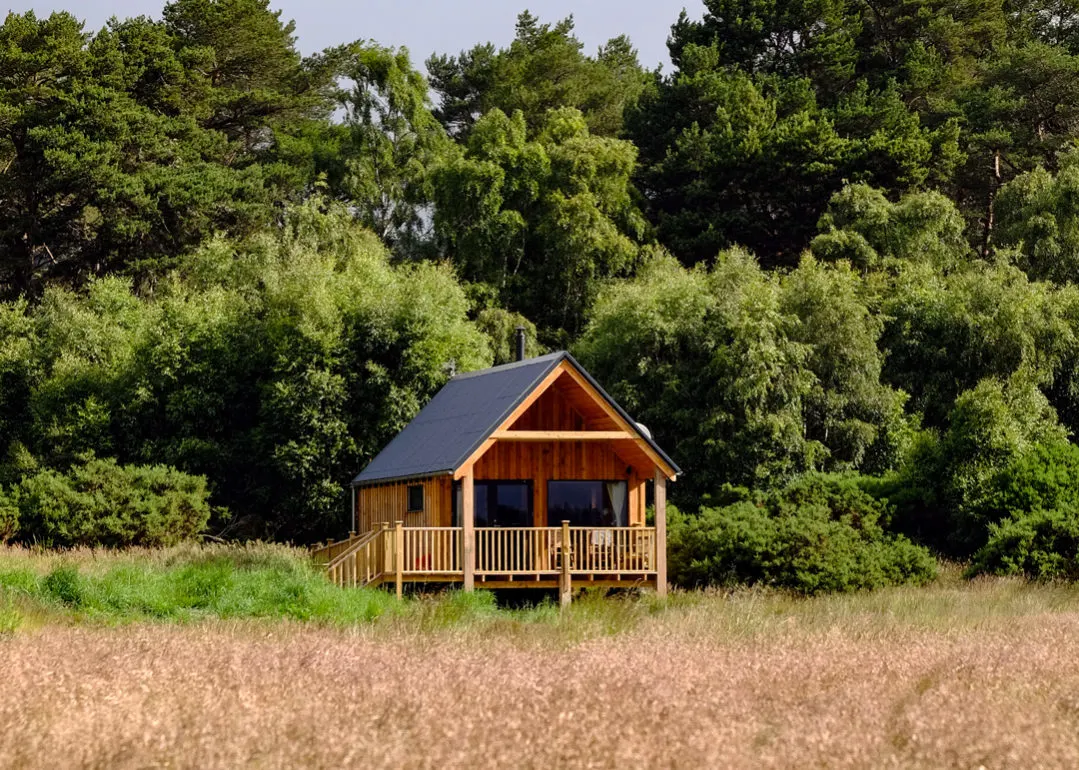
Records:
x=131, y=146
x=98, y=502
x=274, y=366
x=818, y=534
x=382, y=156
x=863, y=227
x=520, y=78
x=1041, y=544
x=1038, y=217
x=542, y=221
x=744, y=110
x=945, y=494
x=500, y=327
x=9, y=519
x=748, y=379
x=947, y=332
x=253, y=582
x=1029, y=511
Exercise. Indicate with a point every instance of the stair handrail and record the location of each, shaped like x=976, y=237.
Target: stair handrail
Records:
x=351, y=550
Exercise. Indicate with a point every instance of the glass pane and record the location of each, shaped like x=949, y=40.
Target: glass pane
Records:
x=512, y=505
x=587, y=503
x=479, y=495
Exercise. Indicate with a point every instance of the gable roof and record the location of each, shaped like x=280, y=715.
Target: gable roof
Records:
x=464, y=414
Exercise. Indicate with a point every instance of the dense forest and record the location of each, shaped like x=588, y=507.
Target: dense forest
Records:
x=831, y=259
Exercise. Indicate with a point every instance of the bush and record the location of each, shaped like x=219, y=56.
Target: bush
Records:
x=1041, y=544
x=102, y=503
x=1030, y=512
x=820, y=533
x=9, y=519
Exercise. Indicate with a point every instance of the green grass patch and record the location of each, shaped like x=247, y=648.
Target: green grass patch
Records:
x=188, y=584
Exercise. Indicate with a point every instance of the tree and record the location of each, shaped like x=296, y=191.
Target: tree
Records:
x=274, y=365
x=383, y=155
x=1037, y=218
x=848, y=409
x=544, y=68
x=126, y=148
x=729, y=156
x=946, y=333
x=863, y=227
x=543, y=221
x=747, y=379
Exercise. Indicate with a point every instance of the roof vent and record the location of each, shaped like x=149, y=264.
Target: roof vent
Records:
x=644, y=429
x=520, y=343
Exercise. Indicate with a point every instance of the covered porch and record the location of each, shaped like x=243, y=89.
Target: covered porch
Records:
x=500, y=557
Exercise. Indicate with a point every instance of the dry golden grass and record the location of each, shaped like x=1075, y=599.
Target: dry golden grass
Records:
x=955, y=675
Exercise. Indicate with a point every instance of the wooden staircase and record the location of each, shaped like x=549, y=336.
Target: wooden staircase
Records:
x=362, y=561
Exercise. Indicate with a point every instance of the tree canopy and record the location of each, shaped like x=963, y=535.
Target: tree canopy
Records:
x=830, y=258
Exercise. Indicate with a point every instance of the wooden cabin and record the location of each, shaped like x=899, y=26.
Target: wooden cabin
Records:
x=522, y=475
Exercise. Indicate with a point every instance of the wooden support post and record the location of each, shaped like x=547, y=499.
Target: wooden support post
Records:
x=565, y=583
x=661, y=534
x=399, y=556
x=387, y=549
x=468, y=531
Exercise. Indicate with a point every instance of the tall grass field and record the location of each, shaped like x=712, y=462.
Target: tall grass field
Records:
x=229, y=656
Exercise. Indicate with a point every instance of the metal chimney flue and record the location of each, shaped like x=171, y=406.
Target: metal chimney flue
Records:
x=520, y=343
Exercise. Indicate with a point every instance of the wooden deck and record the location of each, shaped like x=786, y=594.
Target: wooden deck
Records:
x=503, y=557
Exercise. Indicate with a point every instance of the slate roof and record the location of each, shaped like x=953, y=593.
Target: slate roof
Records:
x=461, y=416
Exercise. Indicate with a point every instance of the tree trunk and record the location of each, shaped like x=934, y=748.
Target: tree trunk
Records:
x=994, y=185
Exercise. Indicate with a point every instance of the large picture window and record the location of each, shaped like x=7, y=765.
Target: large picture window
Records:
x=587, y=503
x=498, y=503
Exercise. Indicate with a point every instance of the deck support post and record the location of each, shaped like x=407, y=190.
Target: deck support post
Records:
x=399, y=556
x=387, y=555
x=565, y=582
x=468, y=531
x=661, y=534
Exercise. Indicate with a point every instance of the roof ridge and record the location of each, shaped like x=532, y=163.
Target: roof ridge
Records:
x=557, y=354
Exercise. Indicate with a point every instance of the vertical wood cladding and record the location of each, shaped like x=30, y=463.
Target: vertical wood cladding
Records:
x=389, y=503
x=558, y=460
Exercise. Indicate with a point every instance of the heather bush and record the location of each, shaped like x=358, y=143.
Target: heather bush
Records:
x=101, y=503
x=820, y=533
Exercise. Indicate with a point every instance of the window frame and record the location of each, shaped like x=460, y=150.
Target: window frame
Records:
x=603, y=483
x=491, y=487
x=409, y=489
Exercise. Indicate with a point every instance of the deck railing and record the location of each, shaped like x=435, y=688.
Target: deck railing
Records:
x=417, y=552
x=432, y=550
x=538, y=550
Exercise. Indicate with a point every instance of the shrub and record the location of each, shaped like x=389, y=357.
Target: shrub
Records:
x=1030, y=513
x=820, y=533
x=101, y=503
x=1041, y=544
x=9, y=519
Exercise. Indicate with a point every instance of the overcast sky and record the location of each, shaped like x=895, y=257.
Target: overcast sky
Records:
x=427, y=26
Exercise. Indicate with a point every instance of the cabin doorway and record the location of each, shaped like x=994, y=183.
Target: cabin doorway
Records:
x=499, y=505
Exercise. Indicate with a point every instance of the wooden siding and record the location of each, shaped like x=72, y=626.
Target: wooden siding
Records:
x=560, y=461
x=389, y=503
x=551, y=411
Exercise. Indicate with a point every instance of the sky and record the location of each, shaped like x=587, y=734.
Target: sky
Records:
x=429, y=26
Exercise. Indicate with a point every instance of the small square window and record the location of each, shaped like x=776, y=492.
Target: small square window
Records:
x=415, y=498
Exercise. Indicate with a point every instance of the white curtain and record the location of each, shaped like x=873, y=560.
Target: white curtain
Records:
x=616, y=490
